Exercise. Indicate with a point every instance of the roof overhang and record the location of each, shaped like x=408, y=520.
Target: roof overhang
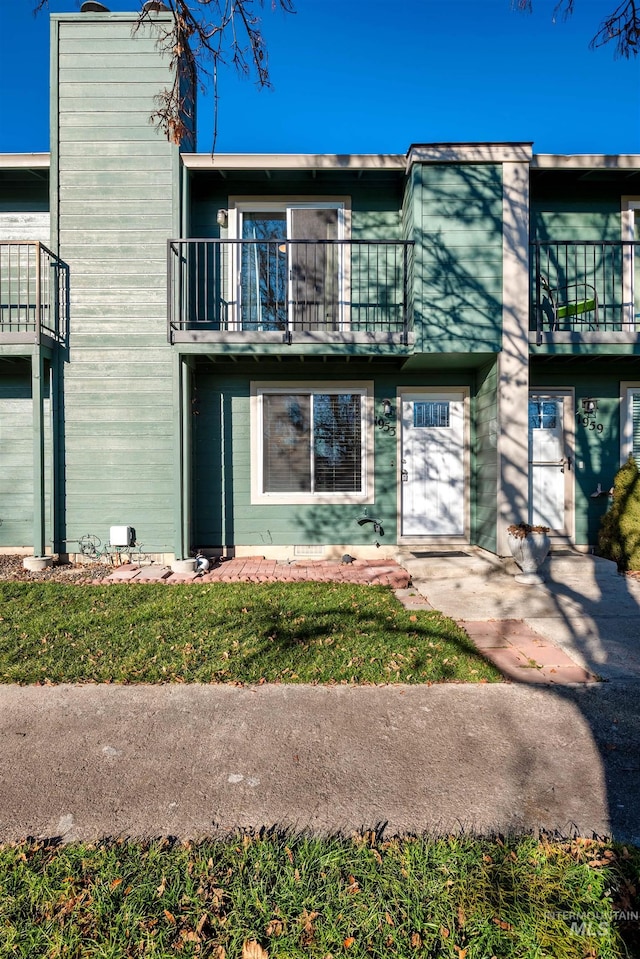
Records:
x=469, y=153
x=25, y=161
x=602, y=161
x=226, y=162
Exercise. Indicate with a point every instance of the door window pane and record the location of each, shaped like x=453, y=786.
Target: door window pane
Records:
x=431, y=414
x=543, y=415
x=264, y=271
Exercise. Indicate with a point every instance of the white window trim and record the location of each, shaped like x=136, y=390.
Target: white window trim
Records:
x=279, y=204
x=628, y=390
x=364, y=388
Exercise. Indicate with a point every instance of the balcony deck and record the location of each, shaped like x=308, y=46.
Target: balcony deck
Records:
x=33, y=295
x=308, y=295
x=585, y=296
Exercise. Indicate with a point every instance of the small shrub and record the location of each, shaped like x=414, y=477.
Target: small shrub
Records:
x=619, y=537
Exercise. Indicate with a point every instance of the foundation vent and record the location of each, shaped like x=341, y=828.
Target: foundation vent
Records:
x=309, y=550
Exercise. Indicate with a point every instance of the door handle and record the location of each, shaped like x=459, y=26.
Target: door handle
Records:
x=404, y=476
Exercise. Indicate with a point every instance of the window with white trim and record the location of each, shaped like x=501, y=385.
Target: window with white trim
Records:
x=312, y=443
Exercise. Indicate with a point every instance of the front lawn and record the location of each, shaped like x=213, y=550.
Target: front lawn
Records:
x=278, y=895
x=227, y=633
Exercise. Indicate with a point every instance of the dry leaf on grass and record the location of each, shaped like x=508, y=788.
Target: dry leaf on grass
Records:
x=253, y=950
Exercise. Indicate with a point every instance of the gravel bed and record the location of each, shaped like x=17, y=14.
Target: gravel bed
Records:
x=11, y=568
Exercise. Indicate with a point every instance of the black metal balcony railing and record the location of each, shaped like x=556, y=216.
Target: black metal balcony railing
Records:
x=289, y=286
x=591, y=286
x=33, y=291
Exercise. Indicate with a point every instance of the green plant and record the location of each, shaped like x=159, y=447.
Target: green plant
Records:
x=619, y=537
x=279, y=895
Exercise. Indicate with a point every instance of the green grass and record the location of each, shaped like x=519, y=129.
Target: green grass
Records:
x=231, y=633
x=292, y=896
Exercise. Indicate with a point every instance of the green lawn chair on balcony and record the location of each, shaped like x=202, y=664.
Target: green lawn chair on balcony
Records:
x=570, y=307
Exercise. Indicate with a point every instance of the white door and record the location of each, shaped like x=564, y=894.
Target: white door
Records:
x=550, y=461
x=432, y=488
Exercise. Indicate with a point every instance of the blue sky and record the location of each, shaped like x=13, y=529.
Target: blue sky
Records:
x=369, y=76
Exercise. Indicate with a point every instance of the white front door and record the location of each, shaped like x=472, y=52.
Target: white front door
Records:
x=432, y=488
x=551, y=461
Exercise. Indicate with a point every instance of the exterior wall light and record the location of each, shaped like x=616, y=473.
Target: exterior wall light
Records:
x=589, y=405
x=222, y=217
x=384, y=421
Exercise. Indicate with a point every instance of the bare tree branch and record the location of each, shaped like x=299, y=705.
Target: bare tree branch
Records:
x=199, y=37
x=202, y=36
x=622, y=27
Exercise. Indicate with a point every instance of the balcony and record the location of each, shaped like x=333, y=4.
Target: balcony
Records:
x=33, y=294
x=587, y=292
x=300, y=293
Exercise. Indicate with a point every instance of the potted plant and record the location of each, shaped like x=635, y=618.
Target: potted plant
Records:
x=529, y=547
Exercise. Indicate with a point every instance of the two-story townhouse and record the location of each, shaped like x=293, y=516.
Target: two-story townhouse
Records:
x=303, y=355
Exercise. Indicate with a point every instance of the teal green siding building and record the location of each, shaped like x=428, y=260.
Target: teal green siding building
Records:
x=301, y=356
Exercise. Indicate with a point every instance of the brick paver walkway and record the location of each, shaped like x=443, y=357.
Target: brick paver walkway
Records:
x=256, y=569
x=523, y=655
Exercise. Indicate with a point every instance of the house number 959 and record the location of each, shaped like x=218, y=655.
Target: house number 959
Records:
x=590, y=424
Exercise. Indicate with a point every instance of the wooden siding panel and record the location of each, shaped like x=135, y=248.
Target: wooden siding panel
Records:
x=569, y=221
x=485, y=458
x=458, y=274
x=16, y=460
x=82, y=95
x=83, y=173
x=116, y=175
x=133, y=154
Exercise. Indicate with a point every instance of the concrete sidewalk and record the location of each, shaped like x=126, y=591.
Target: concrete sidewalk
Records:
x=81, y=762
x=585, y=607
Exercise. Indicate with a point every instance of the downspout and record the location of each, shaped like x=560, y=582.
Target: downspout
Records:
x=186, y=456
x=37, y=400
